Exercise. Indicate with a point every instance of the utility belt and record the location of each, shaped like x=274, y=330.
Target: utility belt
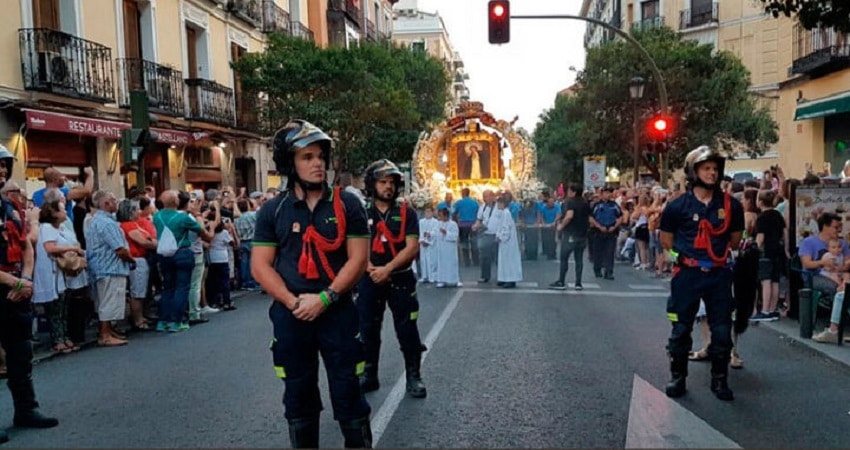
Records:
x=702, y=264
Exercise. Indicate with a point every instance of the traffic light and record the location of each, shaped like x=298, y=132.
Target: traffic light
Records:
x=135, y=139
x=499, y=20
x=660, y=128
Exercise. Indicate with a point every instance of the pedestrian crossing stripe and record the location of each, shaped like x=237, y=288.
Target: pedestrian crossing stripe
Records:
x=647, y=287
x=279, y=371
x=586, y=285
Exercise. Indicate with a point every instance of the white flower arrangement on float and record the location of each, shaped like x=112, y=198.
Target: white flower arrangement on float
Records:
x=426, y=194
x=528, y=189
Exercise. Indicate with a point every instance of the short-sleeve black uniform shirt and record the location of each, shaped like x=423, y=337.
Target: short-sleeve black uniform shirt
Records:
x=392, y=217
x=281, y=223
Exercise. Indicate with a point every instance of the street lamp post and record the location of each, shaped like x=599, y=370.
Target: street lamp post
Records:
x=636, y=85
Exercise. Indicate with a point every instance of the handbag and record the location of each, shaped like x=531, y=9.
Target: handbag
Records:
x=71, y=263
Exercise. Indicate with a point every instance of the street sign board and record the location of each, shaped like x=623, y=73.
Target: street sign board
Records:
x=594, y=171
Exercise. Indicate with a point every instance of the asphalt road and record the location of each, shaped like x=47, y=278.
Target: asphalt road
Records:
x=507, y=368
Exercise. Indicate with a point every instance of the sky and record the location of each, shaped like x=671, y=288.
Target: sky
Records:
x=520, y=78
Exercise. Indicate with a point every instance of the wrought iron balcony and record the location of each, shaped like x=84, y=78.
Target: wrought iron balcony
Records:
x=299, y=30
x=63, y=64
x=164, y=85
x=371, y=33
x=248, y=10
x=695, y=17
x=649, y=22
x=210, y=102
x=275, y=18
x=348, y=7
x=820, y=51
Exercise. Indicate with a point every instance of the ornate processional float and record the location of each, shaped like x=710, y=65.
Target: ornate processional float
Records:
x=473, y=150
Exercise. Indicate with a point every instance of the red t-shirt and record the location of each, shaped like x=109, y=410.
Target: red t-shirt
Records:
x=136, y=250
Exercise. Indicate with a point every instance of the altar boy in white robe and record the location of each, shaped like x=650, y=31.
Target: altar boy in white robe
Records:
x=510, y=262
x=428, y=230
x=448, y=273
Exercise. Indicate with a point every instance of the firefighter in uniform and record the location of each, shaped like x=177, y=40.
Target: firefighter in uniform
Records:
x=390, y=279
x=16, y=266
x=310, y=247
x=700, y=229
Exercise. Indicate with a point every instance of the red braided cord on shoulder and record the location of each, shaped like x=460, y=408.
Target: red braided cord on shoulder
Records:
x=707, y=230
x=313, y=240
x=384, y=230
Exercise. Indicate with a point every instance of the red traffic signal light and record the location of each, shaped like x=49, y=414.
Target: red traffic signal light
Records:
x=499, y=21
x=659, y=128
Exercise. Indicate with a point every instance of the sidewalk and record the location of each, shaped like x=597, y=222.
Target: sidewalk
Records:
x=42, y=352
x=790, y=329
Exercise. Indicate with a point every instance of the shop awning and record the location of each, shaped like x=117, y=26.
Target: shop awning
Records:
x=833, y=104
x=66, y=123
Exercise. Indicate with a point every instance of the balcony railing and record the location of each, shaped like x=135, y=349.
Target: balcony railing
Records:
x=370, y=30
x=60, y=63
x=348, y=7
x=649, y=22
x=299, y=30
x=694, y=17
x=819, y=51
x=248, y=10
x=275, y=18
x=164, y=85
x=210, y=102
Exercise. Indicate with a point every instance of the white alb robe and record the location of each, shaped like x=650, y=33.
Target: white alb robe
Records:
x=428, y=231
x=447, y=264
x=510, y=261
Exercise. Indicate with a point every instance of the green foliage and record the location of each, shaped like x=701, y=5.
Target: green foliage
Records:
x=707, y=92
x=374, y=98
x=558, y=138
x=813, y=13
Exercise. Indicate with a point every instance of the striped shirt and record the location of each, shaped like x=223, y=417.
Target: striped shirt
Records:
x=245, y=225
x=103, y=237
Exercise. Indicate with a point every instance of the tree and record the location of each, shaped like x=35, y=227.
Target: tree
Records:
x=374, y=98
x=559, y=140
x=707, y=91
x=813, y=13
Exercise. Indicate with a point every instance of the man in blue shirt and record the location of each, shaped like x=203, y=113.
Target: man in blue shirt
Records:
x=549, y=213
x=53, y=178
x=466, y=211
x=529, y=217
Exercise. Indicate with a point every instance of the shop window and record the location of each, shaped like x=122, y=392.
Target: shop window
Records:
x=200, y=157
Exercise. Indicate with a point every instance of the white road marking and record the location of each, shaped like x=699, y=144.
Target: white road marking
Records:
x=620, y=294
x=656, y=421
x=644, y=287
x=385, y=413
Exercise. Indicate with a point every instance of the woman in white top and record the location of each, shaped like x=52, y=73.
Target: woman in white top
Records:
x=49, y=282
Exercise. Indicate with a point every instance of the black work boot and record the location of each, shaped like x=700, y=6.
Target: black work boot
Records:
x=4, y=438
x=304, y=433
x=719, y=378
x=33, y=418
x=369, y=380
x=412, y=365
x=678, y=373
x=357, y=433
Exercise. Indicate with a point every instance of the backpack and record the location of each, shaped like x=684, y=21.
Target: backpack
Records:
x=167, y=244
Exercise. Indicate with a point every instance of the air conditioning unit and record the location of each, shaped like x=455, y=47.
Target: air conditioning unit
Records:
x=54, y=69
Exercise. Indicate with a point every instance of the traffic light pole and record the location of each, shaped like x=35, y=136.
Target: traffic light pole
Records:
x=659, y=79
x=636, y=144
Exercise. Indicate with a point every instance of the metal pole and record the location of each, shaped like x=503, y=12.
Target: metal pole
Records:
x=636, y=148
x=659, y=79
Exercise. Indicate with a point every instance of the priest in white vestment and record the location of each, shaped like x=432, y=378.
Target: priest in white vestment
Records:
x=448, y=273
x=509, y=269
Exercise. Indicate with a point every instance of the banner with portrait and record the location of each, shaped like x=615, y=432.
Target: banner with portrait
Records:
x=808, y=203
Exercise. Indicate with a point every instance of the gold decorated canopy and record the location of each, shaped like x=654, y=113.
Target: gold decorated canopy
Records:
x=472, y=150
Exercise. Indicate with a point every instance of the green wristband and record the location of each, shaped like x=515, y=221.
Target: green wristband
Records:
x=20, y=285
x=324, y=298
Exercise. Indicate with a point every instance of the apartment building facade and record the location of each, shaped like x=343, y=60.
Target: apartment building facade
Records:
x=426, y=31
x=798, y=75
